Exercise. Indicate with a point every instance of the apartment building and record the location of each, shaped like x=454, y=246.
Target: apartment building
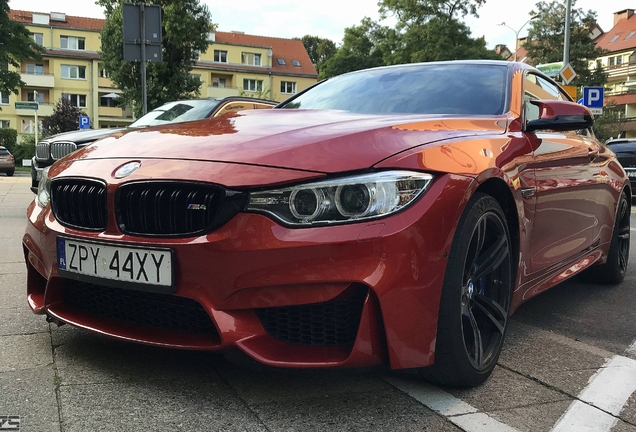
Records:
x=70, y=68
x=620, y=65
x=234, y=64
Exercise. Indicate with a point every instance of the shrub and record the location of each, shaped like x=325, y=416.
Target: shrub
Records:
x=8, y=138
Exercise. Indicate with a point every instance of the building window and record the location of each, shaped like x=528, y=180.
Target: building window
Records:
x=103, y=73
x=31, y=97
x=4, y=123
x=73, y=72
x=220, y=56
x=4, y=98
x=288, y=87
x=108, y=101
x=219, y=82
x=251, y=59
x=252, y=85
x=616, y=60
x=72, y=43
x=35, y=69
x=38, y=38
x=296, y=63
x=28, y=126
x=614, y=39
x=77, y=100
x=281, y=62
x=630, y=35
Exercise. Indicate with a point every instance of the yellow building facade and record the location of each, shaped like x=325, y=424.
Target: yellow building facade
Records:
x=234, y=64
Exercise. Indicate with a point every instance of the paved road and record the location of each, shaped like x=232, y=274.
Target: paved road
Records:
x=569, y=362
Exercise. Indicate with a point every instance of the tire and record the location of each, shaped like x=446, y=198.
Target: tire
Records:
x=10, y=173
x=475, y=301
x=614, y=269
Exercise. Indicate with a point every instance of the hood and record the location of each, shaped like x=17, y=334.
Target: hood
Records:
x=310, y=140
x=83, y=136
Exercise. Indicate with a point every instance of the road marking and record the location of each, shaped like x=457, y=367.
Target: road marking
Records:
x=457, y=411
x=603, y=398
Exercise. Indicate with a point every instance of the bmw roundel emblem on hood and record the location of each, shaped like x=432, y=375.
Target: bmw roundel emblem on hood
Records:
x=127, y=169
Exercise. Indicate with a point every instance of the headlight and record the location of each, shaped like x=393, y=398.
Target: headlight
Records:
x=44, y=188
x=342, y=200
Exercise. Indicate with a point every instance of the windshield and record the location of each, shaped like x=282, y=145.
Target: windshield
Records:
x=412, y=89
x=174, y=112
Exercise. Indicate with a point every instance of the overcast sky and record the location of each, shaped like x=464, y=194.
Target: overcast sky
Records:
x=329, y=18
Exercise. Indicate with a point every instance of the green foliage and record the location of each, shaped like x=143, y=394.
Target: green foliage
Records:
x=263, y=93
x=546, y=38
x=418, y=12
x=25, y=150
x=65, y=118
x=185, y=28
x=319, y=49
x=362, y=48
x=426, y=30
x=16, y=45
x=609, y=124
x=8, y=138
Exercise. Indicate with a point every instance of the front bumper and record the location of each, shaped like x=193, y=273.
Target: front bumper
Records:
x=252, y=264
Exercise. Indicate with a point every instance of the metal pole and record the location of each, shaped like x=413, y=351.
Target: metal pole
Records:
x=144, y=96
x=566, y=42
x=35, y=98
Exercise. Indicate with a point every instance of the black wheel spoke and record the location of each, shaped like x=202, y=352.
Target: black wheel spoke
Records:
x=491, y=258
x=478, y=347
x=622, y=259
x=493, y=311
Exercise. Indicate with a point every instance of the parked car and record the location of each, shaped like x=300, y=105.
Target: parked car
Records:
x=7, y=162
x=625, y=149
x=397, y=214
x=57, y=146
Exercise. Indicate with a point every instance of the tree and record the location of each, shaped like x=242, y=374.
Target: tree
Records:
x=185, y=28
x=609, y=124
x=65, y=118
x=364, y=46
x=319, y=49
x=432, y=30
x=16, y=45
x=411, y=13
x=546, y=39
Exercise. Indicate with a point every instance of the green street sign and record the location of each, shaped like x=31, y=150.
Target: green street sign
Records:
x=551, y=69
x=26, y=105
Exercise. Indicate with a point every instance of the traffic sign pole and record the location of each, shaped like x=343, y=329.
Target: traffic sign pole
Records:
x=144, y=94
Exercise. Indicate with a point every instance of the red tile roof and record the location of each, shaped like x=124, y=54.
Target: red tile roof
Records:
x=622, y=29
x=26, y=17
x=286, y=49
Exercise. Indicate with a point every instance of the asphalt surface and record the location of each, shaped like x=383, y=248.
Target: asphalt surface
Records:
x=569, y=363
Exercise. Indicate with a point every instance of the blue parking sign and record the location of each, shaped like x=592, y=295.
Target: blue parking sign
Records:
x=84, y=122
x=593, y=97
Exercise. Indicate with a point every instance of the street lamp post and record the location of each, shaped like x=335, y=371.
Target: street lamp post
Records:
x=517, y=32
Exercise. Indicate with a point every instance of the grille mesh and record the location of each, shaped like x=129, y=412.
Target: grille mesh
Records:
x=323, y=324
x=80, y=203
x=42, y=150
x=61, y=149
x=159, y=311
x=171, y=208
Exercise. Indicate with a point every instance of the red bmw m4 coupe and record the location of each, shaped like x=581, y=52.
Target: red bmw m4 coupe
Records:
x=397, y=215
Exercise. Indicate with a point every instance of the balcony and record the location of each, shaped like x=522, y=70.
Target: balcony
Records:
x=105, y=83
x=110, y=111
x=621, y=71
x=219, y=92
x=38, y=80
x=44, y=110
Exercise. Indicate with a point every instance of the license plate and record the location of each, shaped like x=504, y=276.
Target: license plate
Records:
x=126, y=267
x=631, y=174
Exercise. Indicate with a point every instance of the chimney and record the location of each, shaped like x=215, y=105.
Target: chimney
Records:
x=621, y=15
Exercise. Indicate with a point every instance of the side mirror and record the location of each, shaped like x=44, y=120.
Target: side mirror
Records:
x=560, y=116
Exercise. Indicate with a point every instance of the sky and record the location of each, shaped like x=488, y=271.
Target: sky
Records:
x=329, y=18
